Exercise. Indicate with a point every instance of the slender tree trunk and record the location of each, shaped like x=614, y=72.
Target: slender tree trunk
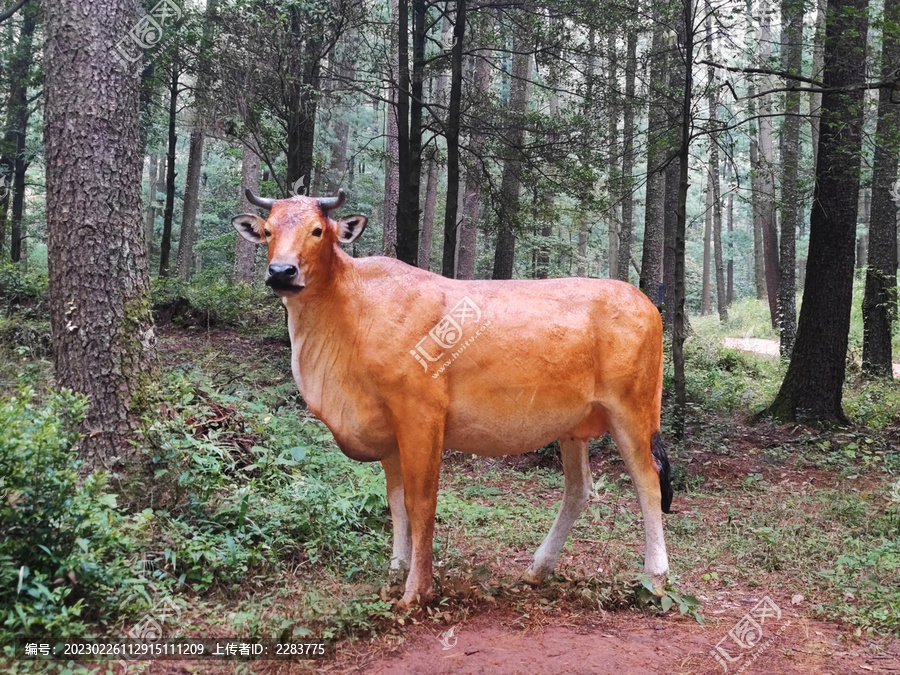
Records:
x=103, y=342
x=613, y=161
x=792, y=62
x=245, y=251
x=427, y=242
x=391, y=181
x=759, y=256
x=679, y=327
x=625, y=229
x=862, y=227
x=511, y=181
x=13, y=157
x=157, y=174
x=468, y=229
x=714, y=185
x=818, y=65
x=730, y=226
x=767, y=168
x=670, y=224
x=165, y=245
x=705, y=301
x=303, y=86
x=451, y=208
x=812, y=387
x=657, y=135
x=879, y=306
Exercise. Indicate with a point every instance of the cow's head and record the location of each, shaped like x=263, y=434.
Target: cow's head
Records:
x=301, y=238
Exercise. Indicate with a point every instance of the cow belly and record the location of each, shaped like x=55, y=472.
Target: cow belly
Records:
x=514, y=433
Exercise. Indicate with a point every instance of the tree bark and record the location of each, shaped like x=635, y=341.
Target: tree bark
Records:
x=879, y=306
x=792, y=62
x=103, y=342
x=511, y=181
x=625, y=229
x=451, y=207
x=613, y=161
x=468, y=229
x=13, y=159
x=157, y=172
x=813, y=384
x=303, y=86
x=165, y=245
x=245, y=251
x=714, y=183
x=190, y=205
x=730, y=220
x=705, y=294
x=767, y=171
x=756, y=228
x=657, y=135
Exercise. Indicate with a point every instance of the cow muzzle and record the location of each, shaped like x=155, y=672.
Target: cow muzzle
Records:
x=284, y=278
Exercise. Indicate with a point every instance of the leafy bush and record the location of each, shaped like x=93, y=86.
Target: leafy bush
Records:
x=210, y=300
x=61, y=545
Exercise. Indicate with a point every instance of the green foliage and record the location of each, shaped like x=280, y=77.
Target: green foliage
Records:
x=686, y=604
x=211, y=300
x=62, y=540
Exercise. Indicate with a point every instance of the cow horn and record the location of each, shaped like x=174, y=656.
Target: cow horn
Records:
x=256, y=200
x=329, y=203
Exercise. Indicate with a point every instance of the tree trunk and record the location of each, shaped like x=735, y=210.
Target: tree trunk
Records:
x=705, y=301
x=451, y=208
x=165, y=245
x=730, y=218
x=862, y=236
x=613, y=161
x=103, y=342
x=303, y=86
x=625, y=229
x=767, y=171
x=157, y=172
x=511, y=181
x=391, y=181
x=679, y=325
x=190, y=205
x=468, y=229
x=657, y=134
x=792, y=62
x=715, y=188
x=427, y=242
x=813, y=384
x=195, y=155
x=245, y=251
x=818, y=65
x=759, y=256
x=670, y=224
x=12, y=158
x=879, y=306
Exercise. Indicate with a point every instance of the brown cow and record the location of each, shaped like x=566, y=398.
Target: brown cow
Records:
x=400, y=364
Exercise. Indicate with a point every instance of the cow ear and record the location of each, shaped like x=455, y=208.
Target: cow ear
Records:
x=350, y=227
x=250, y=227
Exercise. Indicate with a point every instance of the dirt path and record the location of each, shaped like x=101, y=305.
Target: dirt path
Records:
x=620, y=643
x=768, y=347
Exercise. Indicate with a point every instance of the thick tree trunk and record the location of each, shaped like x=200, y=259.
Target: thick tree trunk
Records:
x=879, y=306
x=391, y=181
x=303, y=86
x=103, y=342
x=670, y=224
x=511, y=181
x=818, y=65
x=245, y=251
x=657, y=135
x=451, y=208
x=625, y=228
x=813, y=384
x=165, y=246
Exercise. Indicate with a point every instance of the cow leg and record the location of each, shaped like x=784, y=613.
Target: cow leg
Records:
x=575, y=495
x=399, y=520
x=420, y=457
x=634, y=443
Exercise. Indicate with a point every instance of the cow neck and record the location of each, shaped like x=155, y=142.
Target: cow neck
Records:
x=323, y=324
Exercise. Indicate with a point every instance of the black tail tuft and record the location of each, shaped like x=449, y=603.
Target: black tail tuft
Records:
x=665, y=472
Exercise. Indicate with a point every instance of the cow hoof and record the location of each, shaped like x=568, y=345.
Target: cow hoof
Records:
x=410, y=600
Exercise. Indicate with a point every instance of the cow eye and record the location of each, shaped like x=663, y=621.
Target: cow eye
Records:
x=267, y=233
x=317, y=232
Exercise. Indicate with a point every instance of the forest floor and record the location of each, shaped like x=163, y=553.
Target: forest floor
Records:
x=760, y=515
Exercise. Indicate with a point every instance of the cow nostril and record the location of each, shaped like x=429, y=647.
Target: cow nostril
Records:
x=283, y=271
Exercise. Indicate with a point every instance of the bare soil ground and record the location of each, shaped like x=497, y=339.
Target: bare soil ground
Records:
x=768, y=347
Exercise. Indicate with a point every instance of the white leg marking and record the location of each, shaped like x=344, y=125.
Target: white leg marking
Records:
x=402, y=537
x=577, y=490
